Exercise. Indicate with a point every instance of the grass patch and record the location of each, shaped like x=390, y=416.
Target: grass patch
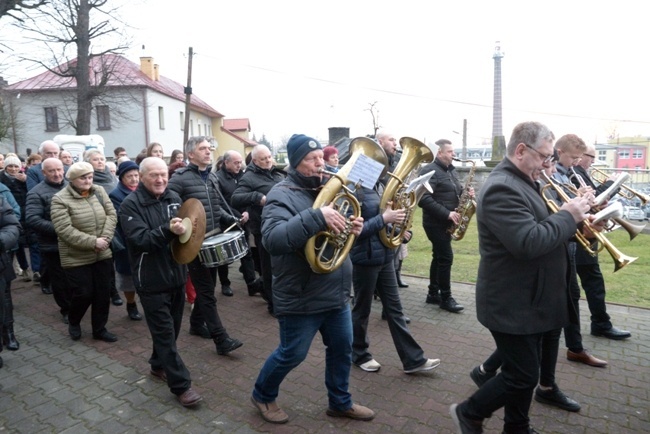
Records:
x=627, y=286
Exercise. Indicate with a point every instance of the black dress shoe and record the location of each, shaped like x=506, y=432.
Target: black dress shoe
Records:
x=226, y=290
x=407, y=320
x=9, y=338
x=479, y=378
x=556, y=398
x=612, y=333
x=450, y=305
x=400, y=283
x=201, y=331
x=132, y=311
x=46, y=289
x=433, y=299
x=227, y=345
x=116, y=300
x=74, y=331
x=105, y=336
x=255, y=287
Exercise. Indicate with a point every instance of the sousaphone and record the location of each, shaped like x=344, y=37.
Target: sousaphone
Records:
x=187, y=246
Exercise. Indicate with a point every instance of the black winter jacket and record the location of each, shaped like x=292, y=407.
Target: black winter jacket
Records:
x=145, y=222
x=447, y=189
x=187, y=183
x=253, y=186
x=288, y=222
x=368, y=249
x=227, y=184
x=9, y=233
x=37, y=214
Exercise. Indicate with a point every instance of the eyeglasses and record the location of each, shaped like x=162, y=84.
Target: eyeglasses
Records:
x=590, y=156
x=545, y=158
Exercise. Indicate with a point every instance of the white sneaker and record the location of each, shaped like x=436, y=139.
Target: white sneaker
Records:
x=370, y=366
x=426, y=366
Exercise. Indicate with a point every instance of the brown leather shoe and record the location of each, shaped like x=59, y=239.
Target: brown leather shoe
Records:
x=270, y=411
x=189, y=398
x=357, y=412
x=586, y=358
x=159, y=373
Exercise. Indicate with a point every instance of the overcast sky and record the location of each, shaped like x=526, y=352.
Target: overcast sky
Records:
x=303, y=66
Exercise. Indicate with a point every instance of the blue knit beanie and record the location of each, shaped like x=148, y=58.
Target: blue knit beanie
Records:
x=298, y=146
x=126, y=166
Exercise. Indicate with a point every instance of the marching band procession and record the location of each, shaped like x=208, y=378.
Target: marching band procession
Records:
x=320, y=242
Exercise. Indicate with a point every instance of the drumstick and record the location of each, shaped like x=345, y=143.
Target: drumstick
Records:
x=218, y=230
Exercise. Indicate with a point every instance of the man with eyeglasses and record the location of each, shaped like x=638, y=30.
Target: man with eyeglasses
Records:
x=250, y=195
x=587, y=266
x=570, y=149
x=521, y=287
x=198, y=181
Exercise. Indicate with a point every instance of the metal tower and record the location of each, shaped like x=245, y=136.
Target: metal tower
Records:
x=497, y=121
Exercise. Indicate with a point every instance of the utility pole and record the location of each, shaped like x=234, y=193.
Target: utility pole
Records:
x=188, y=97
x=464, y=140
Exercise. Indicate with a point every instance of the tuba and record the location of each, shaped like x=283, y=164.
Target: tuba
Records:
x=327, y=251
x=414, y=153
x=466, y=205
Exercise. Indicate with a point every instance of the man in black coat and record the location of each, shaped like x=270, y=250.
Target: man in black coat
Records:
x=9, y=232
x=39, y=220
x=148, y=219
x=438, y=216
x=228, y=177
x=521, y=288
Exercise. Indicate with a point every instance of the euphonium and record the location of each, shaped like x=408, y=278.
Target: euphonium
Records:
x=327, y=251
x=414, y=153
x=466, y=205
x=620, y=259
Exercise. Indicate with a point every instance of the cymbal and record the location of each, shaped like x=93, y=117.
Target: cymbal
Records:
x=187, y=246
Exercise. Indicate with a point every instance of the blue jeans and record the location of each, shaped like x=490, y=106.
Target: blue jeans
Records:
x=296, y=335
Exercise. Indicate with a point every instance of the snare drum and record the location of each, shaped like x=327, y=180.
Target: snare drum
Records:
x=223, y=249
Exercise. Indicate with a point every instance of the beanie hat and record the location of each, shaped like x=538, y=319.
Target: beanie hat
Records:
x=79, y=169
x=328, y=151
x=126, y=166
x=299, y=146
x=13, y=160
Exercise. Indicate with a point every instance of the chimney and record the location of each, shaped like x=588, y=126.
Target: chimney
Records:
x=336, y=133
x=147, y=66
x=156, y=72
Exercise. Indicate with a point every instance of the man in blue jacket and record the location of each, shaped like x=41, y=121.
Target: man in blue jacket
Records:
x=306, y=302
x=147, y=217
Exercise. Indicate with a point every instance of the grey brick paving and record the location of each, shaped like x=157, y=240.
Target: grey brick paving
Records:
x=55, y=385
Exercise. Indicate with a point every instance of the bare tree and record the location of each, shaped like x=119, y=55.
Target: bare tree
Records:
x=67, y=28
x=374, y=112
x=16, y=8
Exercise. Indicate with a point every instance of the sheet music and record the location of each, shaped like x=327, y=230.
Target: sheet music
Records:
x=367, y=170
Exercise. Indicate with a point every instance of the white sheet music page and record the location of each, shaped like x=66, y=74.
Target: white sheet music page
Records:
x=365, y=169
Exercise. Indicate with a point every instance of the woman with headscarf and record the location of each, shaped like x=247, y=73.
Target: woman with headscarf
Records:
x=84, y=220
x=129, y=178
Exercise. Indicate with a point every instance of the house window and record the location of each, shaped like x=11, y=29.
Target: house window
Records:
x=103, y=117
x=602, y=155
x=51, y=119
x=182, y=121
x=161, y=118
x=637, y=154
x=624, y=154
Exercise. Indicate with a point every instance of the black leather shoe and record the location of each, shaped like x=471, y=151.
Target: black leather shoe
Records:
x=450, y=305
x=401, y=283
x=480, y=378
x=255, y=287
x=200, y=331
x=132, y=311
x=10, y=339
x=433, y=299
x=612, y=333
x=226, y=290
x=227, y=345
x=556, y=398
x=407, y=320
x=47, y=290
x=116, y=300
x=74, y=331
x=1, y=362
x=105, y=336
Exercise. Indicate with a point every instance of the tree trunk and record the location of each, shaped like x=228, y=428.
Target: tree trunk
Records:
x=82, y=72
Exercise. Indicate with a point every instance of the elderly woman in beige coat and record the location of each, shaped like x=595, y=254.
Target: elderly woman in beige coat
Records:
x=84, y=220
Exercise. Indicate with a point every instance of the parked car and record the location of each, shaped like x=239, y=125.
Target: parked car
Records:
x=633, y=213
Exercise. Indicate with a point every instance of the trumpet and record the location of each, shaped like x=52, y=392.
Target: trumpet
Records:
x=625, y=191
x=326, y=251
x=620, y=259
x=631, y=229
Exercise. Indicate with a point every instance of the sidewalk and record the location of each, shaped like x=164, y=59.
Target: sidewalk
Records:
x=56, y=385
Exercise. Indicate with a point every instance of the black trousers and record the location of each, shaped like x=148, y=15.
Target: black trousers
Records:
x=513, y=387
x=91, y=287
x=57, y=280
x=164, y=314
x=442, y=258
x=594, y=285
x=205, y=305
x=267, y=273
x=247, y=270
x=572, y=334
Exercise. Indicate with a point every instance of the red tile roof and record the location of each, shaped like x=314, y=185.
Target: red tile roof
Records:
x=124, y=74
x=237, y=124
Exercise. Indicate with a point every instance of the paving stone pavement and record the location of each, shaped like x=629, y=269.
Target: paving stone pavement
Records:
x=56, y=385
